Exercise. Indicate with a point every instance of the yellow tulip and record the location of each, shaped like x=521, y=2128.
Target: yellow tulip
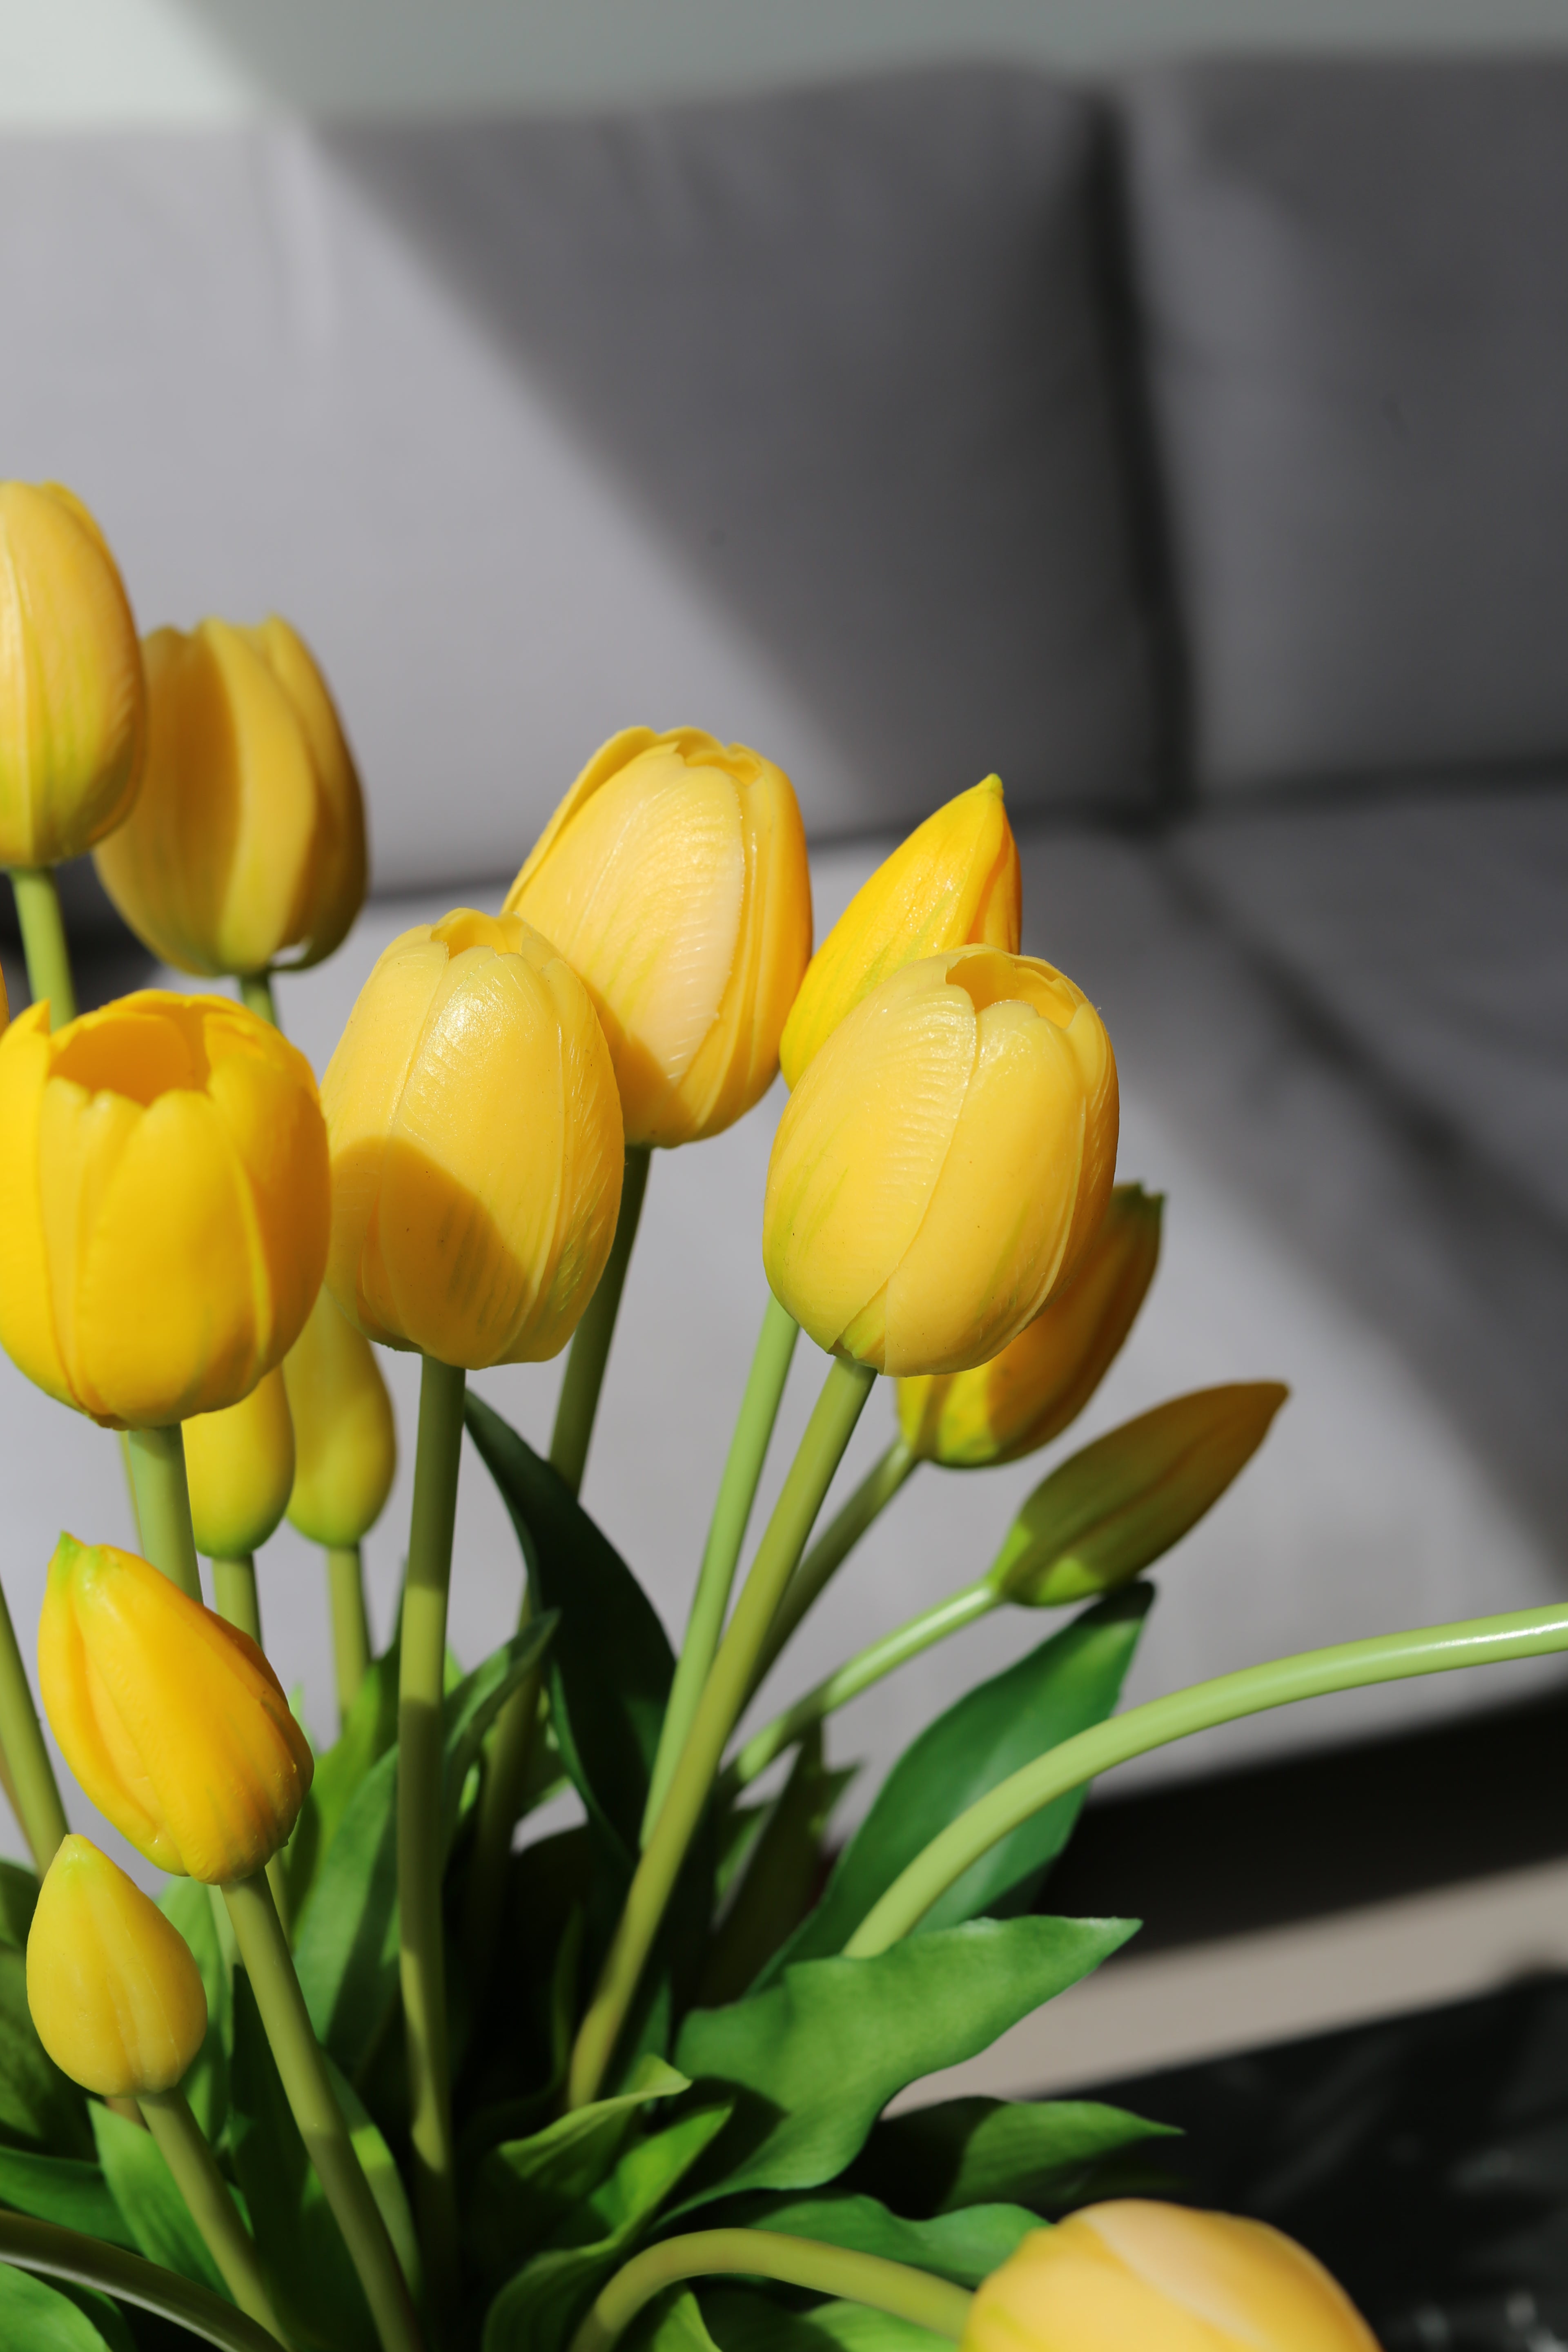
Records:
x=72, y=696
x=673, y=877
x=114, y=1992
x=1135, y=2276
x=345, y=1441
x=943, y=1163
x=1126, y=1499
x=171, y=1720
x=954, y=883
x=246, y=846
x=240, y=1467
x=164, y=1205
x=1028, y=1394
x=476, y=1146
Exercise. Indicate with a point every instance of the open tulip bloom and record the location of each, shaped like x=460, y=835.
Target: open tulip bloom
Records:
x=419, y=2065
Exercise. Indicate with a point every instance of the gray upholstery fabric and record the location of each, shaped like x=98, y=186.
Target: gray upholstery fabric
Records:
x=1355, y=288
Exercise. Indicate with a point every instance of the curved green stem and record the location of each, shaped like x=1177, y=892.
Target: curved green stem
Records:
x=833, y=1547
x=309, y=2090
x=421, y=1681
x=829, y=1431
x=857, y=1675
x=53, y=2253
x=163, y=1505
x=350, y=1622
x=37, y=1800
x=726, y=1533
x=894, y=2288
x=1348, y=1666
x=44, y=941
x=590, y=1350
x=255, y=995
x=212, y=2208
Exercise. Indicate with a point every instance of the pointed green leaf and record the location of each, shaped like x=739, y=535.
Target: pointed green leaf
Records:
x=39, y=2107
x=743, y=2321
x=370, y=1731
x=153, y=2212
x=969, y=2151
x=524, y=2189
x=62, y=2189
x=782, y=1877
x=188, y=1905
x=36, y=2317
x=964, y=2246
x=672, y=2322
x=18, y=1893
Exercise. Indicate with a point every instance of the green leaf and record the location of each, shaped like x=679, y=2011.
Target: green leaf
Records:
x=188, y=1905
x=742, y=2321
x=611, y=1665
x=150, y=2206
x=971, y=2151
x=671, y=2322
x=39, y=2107
x=370, y=1731
x=62, y=2189
x=964, y=2247
x=36, y=2317
x=525, y=2189
x=1069, y=1682
x=18, y=1893
x=781, y=1878
x=821, y=2053
x=84, y=2266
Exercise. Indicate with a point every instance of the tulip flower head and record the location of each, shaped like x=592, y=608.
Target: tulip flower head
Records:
x=1135, y=2276
x=346, y=1440
x=164, y=1205
x=673, y=878
x=114, y=1992
x=171, y=1720
x=476, y=1146
x=1028, y=1394
x=954, y=883
x=246, y=847
x=72, y=696
x=239, y=1465
x=944, y=1162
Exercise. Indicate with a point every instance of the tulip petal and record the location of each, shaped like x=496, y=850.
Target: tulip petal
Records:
x=26, y=1311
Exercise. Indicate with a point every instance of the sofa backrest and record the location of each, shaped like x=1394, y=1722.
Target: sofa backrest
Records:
x=1354, y=280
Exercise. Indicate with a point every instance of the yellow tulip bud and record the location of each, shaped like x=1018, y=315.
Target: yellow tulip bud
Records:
x=114, y=1992
x=954, y=883
x=673, y=877
x=171, y=1720
x=240, y=1467
x=72, y=697
x=246, y=847
x=1028, y=1395
x=1130, y=1497
x=943, y=1161
x=476, y=1146
x=345, y=1441
x=1134, y=2276
x=164, y=1205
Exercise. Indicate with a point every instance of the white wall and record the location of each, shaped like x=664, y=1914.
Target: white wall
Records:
x=66, y=62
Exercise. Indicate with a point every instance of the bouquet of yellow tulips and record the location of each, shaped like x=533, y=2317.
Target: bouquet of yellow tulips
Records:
x=384, y=2064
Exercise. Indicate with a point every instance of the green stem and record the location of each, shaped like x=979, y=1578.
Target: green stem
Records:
x=212, y=2208
x=53, y=2253
x=726, y=1533
x=44, y=941
x=163, y=1505
x=894, y=2288
x=350, y=1622
x=234, y=1599
x=1348, y=1666
x=255, y=995
x=420, y=1855
x=834, y=1545
x=590, y=1351
x=484, y=1889
x=857, y=1675
x=829, y=1431
x=308, y=2088
x=130, y=1484
x=37, y=1801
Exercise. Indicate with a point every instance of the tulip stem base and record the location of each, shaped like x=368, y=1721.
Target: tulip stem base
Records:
x=255, y=995
x=894, y=2288
x=833, y=1547
x=421, y=1855
x=590, y=1350
x=43, y=933
x=309, y=2090
x=727, y=1532
x=163, y=1505
x=36, y=1796
x=829, y=1431
x=212, y=2208
x=350, y=1623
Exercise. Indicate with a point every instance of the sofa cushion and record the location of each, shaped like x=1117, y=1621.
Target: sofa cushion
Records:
x=1355, y=300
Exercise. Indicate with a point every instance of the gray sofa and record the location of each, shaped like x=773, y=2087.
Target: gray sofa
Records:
x=1195, y=452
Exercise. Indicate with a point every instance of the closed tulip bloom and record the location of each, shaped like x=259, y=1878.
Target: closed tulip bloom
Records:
x=345, y=1441
x=954, y=883
x=1135, y=2276
x=673, y=877
x=164, y=1205
x=171, y=1720
x=246, y=847
x=944, y=1162
x=114, y=1992
x=476, y=1146
x=72, y=695
x=240, y=1467
x=1028, y=1394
